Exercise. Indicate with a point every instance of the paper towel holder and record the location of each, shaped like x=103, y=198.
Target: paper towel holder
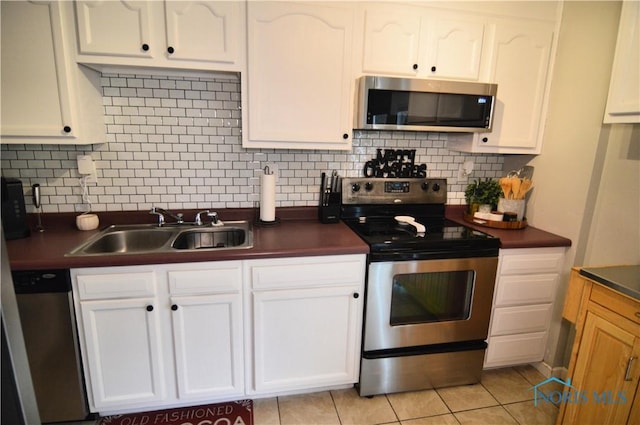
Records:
x=258, y=219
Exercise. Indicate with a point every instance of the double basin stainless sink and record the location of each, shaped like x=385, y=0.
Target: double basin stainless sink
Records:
x=151, y=238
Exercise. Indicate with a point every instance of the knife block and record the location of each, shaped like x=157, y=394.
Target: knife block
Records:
x=329, y=210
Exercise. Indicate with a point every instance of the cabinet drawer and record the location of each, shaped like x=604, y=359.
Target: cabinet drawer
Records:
x=226, y=277
x=307, y=271
x=515, y=349
x=522, y=261
x=526, y=289
x=511, y=320
x=618, y=303
x=116, y=285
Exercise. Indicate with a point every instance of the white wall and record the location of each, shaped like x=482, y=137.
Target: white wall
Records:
x=614, y=234
x=587, y=179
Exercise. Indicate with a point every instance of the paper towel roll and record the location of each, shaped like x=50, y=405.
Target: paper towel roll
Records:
x=268, y=197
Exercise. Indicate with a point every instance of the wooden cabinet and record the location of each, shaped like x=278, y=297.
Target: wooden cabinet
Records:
x=164, y=335
x=46, y=97
x=203, y=35
x=307, y=316
x=526, y=286
x=299, y=89
x=519, y=63
x=623, y=103
x=420, y=42
x=605, y=355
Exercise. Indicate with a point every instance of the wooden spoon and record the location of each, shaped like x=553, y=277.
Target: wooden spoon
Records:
x=524, y=187
x=515, y=187
x=505, y=184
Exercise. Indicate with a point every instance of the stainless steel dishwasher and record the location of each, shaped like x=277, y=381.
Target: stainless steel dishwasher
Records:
x=48, y=323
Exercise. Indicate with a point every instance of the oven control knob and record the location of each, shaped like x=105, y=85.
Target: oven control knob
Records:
x=425, y=186
x=368, y=186
x=435, y=187
x=355, y=187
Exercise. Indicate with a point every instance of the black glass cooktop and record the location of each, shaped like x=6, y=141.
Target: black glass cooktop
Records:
x=442, y=238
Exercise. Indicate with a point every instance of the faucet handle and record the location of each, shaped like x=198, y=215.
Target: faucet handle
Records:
x=214, y=218
x=198, y=220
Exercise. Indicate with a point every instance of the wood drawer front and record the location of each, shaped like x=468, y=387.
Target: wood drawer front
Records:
x=116, y=285
x=515, y=349
x=307, y=271
x=615, y=302
x=221, y=279
x=531, y=261
x=524, y=319
x=526, y=289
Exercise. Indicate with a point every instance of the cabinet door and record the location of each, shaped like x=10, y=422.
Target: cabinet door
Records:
x=208, y=345
x=519, y=65
x=300, y=86
x=454, y=48
x=391, y=40
x=602, y=365
x=623, y=103
x=305, y=338
x=123, y=352
x=36, y=93
x=118, y=28
x=203, y=30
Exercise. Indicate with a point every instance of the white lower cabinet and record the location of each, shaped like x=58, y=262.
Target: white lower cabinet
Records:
x=525, y=291
x=183, y=334
x=307, y=319
x=154, y=336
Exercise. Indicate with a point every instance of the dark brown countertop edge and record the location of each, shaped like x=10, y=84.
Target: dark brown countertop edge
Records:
x=529, y=237
x=298, y=234
x=46, y=250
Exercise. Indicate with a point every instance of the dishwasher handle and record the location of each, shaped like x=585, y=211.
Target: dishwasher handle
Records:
x=41, y=281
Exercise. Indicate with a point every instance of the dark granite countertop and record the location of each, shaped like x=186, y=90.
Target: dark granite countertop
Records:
x=529, y=237
x=299, y=233
x=624, y=279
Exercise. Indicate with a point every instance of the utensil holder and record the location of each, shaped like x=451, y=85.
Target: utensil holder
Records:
x=329, y=212
x=512, y=206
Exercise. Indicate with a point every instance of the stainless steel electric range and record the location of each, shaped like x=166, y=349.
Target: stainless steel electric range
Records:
x=429, y=286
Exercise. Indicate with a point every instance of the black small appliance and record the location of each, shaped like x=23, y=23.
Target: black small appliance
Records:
x=14, y=215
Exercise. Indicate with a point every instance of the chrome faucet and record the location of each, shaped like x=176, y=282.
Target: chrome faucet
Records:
x=161, y=213
x=212, y=215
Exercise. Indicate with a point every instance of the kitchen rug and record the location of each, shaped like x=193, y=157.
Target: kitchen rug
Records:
x=231, y=413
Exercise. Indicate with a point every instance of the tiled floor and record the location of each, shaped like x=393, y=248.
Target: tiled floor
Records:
x=504, y=396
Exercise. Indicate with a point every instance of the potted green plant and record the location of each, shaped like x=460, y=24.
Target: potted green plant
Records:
x=482, y=192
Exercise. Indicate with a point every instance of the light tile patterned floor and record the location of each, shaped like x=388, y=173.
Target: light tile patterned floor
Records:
x=504, y=396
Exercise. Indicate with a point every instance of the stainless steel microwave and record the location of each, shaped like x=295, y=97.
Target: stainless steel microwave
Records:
x=385, y=103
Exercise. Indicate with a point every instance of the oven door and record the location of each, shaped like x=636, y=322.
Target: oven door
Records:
x=416, y=303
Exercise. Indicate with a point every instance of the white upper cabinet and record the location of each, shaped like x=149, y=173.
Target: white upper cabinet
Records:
x=623, y=104
x=419, y=42
x=391, y=41
x=46, y=97
x=518, y=61
x=299, y=90
x=202, y=35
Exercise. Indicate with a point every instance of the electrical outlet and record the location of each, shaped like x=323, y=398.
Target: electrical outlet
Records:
x=86, y=167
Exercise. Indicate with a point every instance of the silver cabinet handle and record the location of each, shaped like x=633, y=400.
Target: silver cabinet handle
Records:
x=627, y=375
x=638, y=314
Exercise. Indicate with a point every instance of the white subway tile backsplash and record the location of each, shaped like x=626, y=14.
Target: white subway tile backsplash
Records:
x=175, y=142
